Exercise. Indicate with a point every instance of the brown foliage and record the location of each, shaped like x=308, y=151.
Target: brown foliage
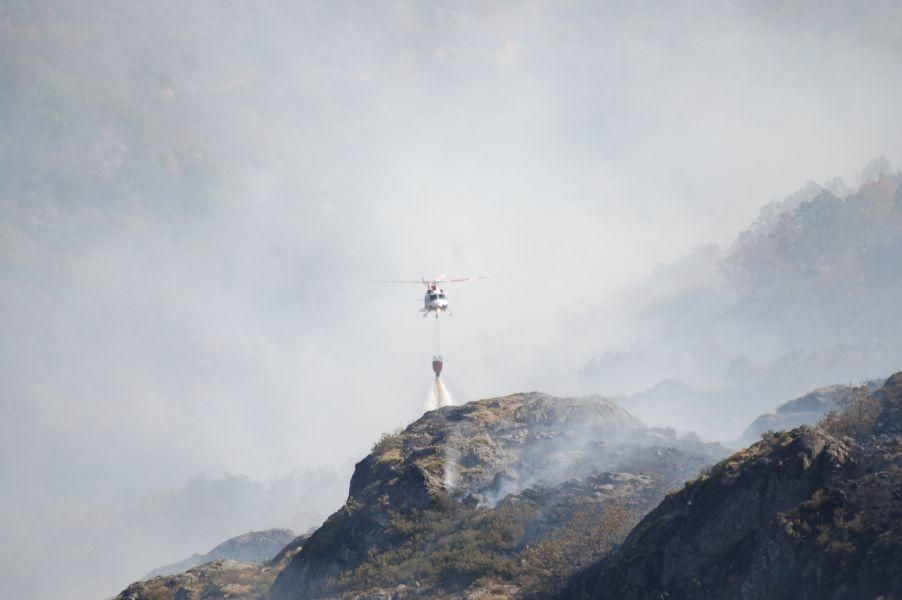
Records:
x=856, y=417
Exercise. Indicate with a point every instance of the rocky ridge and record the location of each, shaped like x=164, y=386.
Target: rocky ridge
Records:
x=815, y=512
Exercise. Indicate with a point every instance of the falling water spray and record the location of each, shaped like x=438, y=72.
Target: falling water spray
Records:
x=439, y=396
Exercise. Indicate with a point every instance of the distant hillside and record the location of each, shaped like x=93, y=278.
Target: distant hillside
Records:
x=807, y=294
x=809, y=513
x=497, y=497
x=668, y=397
x=255, y=547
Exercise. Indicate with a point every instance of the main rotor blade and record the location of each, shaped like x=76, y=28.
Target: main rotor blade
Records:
x=433, y=281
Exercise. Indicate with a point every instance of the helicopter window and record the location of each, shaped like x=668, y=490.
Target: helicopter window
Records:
x=441, y=295
x=432, y=296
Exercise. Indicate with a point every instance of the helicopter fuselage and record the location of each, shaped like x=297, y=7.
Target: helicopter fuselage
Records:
x=435, y=301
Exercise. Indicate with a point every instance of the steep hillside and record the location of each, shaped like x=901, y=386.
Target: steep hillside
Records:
x=811, y=513
x=501, y=496
x=255, y=547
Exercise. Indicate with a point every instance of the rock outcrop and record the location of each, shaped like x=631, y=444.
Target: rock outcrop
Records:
x=497, y=497
x=815, y=512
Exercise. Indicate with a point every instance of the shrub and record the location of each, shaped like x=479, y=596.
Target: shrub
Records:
x=857, y=416
x=389, y=443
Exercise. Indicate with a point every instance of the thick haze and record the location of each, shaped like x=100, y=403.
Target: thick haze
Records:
x=196, y=200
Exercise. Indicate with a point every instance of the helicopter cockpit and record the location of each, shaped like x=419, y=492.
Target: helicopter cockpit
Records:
x=436, y=299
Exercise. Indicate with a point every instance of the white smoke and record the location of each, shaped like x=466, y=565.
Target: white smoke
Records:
x=451, y=456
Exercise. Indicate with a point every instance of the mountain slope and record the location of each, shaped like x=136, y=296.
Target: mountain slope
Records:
x=810, y=513
x=497, y=496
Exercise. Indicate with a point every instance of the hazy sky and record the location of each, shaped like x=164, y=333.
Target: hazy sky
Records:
x=196, y=202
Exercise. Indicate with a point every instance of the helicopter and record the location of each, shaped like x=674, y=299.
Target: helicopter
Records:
x=436, y=300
